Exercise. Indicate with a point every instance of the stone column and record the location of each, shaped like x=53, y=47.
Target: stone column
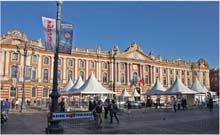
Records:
x=111, y=70
x=127, y=75
x=64, y=72
x=76, y=69
x=97, y=70
x=154, y=74
x=51, y=69
x=161, y=75
x=87, y=68
x=130, y=67
x=39, y=68
x=119, y=69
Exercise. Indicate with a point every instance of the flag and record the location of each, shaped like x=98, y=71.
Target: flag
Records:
x=141, y=81
x=28, y=72
x=49, y=26
x=66, y=37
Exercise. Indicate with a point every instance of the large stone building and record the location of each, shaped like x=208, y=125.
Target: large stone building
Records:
x=125, y=68
x=214, y=80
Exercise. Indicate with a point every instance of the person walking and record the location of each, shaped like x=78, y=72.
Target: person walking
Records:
x=129, y=107
x=178, y=103
x=113, y=112
x=174, y=104
x=16, y=104
x=62, y=105
x=99, y=114
x=7, y=107
x=210, y=103
x=90, y=106
x=106, y=103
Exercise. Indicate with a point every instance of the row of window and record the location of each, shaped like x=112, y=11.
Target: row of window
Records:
x=13, y=92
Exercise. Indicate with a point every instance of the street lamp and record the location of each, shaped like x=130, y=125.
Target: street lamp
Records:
x=53, y=126
x=25, y=54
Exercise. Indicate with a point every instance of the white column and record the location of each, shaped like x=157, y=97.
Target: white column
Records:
x=111, y=70
x=119, y=74
x=127, y=75
x=7, y=68
x=168, y=77
x=143, y=71
x=161, y=75
x=154, y=74
x=76, y=69
x=116, y=72
x=100, y=73
x=39, y=68
x=87, y=69
x=51, y=69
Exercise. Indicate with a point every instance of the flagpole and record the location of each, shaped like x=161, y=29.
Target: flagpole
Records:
x=53, y=126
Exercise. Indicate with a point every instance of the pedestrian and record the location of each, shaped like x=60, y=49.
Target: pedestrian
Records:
x=94, y=109
x=16, y=104
x=99, y=114
x=90, y=106
x=7, y=107
x=13, y=104
x=178, y=103
x=184, y=103
x=105, y=105
x=210, y=103
x=173, y=100
x=157, y=102
x=129, y=106
x=113, y=112
x=62, y=105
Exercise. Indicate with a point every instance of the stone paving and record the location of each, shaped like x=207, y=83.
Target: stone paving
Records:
x=161, y=121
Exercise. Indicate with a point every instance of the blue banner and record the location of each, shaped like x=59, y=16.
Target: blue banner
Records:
x=66, y=37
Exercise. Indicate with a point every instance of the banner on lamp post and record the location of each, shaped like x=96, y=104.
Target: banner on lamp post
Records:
x=49, y=26
x=66, y=37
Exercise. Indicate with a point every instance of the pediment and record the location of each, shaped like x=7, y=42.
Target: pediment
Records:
x=136, y=54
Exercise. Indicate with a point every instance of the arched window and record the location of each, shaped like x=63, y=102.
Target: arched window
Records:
x=13, y=92
x=45, y=92
x=34, y=59
x=14, y=71
x=92, y=65
x=122, y=78
x=33, y=92
x=135, y=77
x=46, y=60
x=15, y=56
x=146, y=68
x=70, y=62
x=33, y=75
x=104, y=77
x=70, y=74
x=104, y=65
x=82, y=74
x=81, y=63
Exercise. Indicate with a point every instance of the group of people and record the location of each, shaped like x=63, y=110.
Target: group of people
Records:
x=5, y=106
x=179, y=102
x=110, y=108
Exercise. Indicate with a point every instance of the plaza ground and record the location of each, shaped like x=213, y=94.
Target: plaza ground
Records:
x=160, y=121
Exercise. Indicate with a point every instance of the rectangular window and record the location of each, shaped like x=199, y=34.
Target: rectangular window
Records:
x=164, y=71
x=15, y=56
x=34, y=59
x=183, y=72
x=33, y=93
x=45, y=75
x=146, y=79
x=122, y=66
x=33, y=73
x=58, y=76
x=177, y=72
x=146, y=68
x=45, y=92
x=164, y=81
x=13, y=92
x=171, y=71
x=157, y=70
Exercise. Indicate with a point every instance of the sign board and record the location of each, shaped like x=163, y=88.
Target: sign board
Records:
x=72, y=115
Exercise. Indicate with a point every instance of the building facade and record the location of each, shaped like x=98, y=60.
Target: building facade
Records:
x=214, y=80
x=115, y=69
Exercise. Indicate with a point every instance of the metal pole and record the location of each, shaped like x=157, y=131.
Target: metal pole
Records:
x=23, y=107
x=53, y=126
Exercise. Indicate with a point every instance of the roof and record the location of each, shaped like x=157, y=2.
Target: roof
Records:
x=135, y=93
x=156, y=89
x=92, y=86
x=198, y=87
x=178, y=88
x=67, y=87
x=79, y=83
x=124, y=93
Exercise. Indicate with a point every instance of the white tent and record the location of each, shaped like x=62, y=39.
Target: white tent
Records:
x=125, y=93
x=92, y=86
x=198, y=87
x=156, y=89
x=67, y=87
x=135, y=93
x=178, y=88
x=79, y=83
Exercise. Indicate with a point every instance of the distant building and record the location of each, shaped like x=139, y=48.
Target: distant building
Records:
x=214, y=80
x=125, y=68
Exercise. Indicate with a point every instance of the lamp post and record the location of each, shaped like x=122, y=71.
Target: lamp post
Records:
x=25, y=54
x=53, y=126
x=114, y=78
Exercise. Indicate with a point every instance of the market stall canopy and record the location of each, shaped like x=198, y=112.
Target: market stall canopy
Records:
x=125, y=93
x=178, y=88
x=92, y=86
x=67, y=87
x=79, y=83
x=156, y=89
x=198, y=87
x=135, y=93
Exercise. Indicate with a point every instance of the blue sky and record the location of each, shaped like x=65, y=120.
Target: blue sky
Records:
x=188, y=30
